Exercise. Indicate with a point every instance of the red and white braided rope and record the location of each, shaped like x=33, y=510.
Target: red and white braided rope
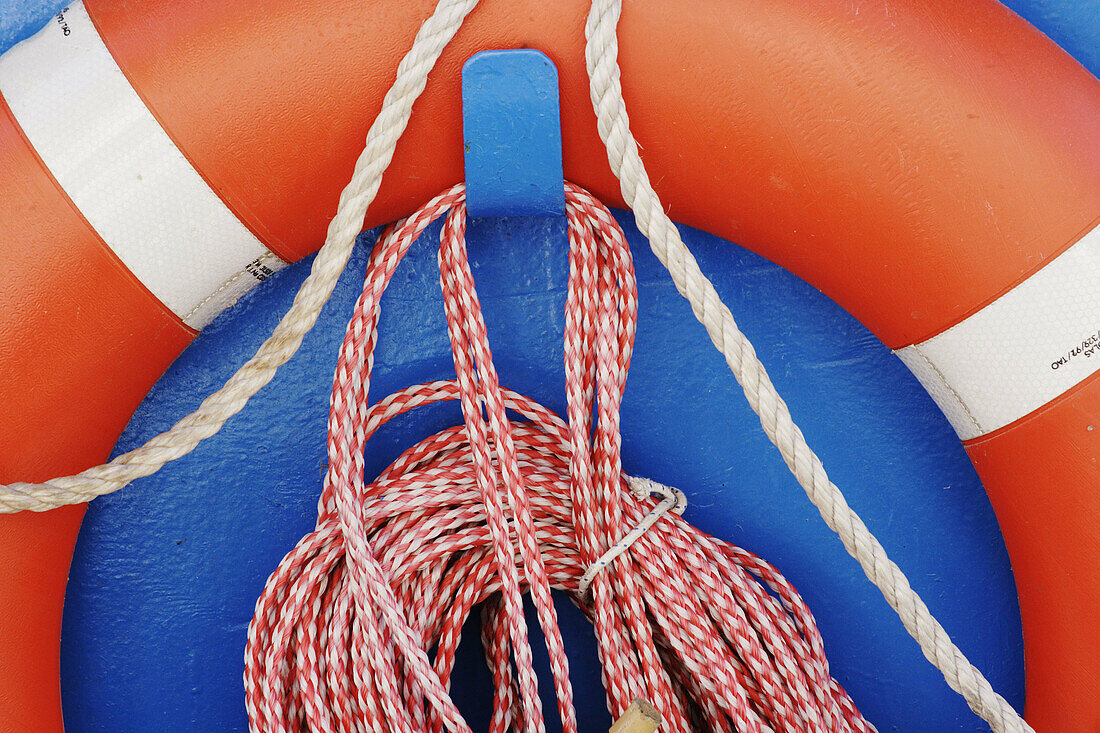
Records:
x=500, y=506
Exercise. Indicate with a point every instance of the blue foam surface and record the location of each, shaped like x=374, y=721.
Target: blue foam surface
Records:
x=166, y=571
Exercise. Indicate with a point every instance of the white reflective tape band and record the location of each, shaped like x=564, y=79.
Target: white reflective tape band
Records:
x=1034, y=343
x=125, y=175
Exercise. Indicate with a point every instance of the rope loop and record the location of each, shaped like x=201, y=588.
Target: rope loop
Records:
x=358, y=627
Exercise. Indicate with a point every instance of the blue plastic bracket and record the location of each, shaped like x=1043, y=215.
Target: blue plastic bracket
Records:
x=511, y=128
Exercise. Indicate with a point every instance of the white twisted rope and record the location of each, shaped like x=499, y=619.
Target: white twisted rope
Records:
x=601, y=55
x=181, y=439
x=602, y=60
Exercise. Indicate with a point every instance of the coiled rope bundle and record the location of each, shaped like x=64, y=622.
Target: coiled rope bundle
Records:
x=498, y=507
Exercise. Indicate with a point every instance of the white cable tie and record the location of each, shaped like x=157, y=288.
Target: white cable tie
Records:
x=674, y=500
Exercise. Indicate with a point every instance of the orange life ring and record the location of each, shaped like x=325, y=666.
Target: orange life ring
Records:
x=933, y=166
